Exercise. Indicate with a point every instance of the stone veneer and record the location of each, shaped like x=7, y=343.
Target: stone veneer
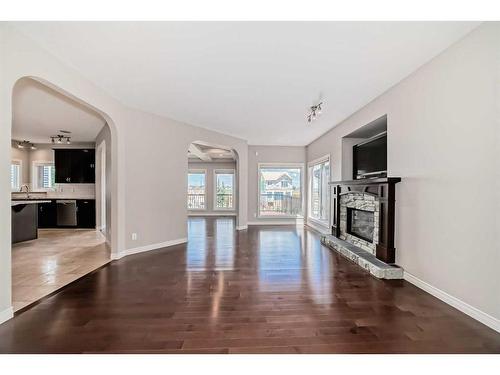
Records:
x=359, y=201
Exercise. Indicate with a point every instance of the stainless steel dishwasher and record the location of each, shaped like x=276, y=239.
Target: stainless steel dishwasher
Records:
x=66, y=212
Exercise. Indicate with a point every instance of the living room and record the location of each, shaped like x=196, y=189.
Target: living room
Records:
x=342, y=201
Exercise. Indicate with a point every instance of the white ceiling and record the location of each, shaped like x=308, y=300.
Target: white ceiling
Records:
x=252, y=80
x=39, y=112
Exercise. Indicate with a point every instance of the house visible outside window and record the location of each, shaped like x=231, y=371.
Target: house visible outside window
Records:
x=196, y=190
x=319, y=196
x=280, y=190
x=224, y=189
x=44, y=175
x=15, y=175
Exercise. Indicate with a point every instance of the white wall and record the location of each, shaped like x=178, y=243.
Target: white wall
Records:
x=209, y=168
x=104, y=136
x=148, y=179
x=271, y=154
x=443, y=141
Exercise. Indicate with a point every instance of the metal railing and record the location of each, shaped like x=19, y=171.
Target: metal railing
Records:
x=196, y=201
x=224, y=201
x=279, y=204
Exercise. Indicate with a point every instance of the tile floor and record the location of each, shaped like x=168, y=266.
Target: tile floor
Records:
x=56, y=258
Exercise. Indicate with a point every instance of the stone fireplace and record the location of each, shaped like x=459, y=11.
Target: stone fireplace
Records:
x=359, y=218
x=363, y=223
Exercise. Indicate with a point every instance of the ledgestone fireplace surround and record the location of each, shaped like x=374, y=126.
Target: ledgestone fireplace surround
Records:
x=363, y=224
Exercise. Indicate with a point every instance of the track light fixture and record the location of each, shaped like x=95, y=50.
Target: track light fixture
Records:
x=60, y=139
x=314, y=112
x=26, y=144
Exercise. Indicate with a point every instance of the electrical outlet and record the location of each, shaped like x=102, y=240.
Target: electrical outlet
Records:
x=134, y=236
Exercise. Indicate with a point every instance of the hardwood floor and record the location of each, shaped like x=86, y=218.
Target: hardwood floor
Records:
x=265, y=290
x=56, y=258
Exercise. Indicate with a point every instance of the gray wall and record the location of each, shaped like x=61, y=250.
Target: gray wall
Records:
x=443, y=141
x=210, y=167
x=270, y=154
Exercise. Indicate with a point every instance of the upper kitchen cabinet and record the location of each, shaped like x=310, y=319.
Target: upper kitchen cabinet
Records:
x=74, y=166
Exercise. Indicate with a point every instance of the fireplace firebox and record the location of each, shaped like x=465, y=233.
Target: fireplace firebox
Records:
x=360, y=223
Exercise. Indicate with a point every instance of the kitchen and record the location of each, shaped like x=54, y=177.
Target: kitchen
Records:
x=59, y=230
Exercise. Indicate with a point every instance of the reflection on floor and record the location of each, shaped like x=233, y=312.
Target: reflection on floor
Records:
x=56, y=258
x=268, y=289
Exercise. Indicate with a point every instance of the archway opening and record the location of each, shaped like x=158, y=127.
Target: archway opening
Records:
x=61, y=190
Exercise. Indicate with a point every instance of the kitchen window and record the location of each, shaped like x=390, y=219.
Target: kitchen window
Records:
x=319, y=196
x=15, y=175
x=44, y=175
x=196, y=190
x=224, y=189
x=280, y=190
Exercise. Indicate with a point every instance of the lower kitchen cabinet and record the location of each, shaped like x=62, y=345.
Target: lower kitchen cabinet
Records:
x=47, y=215
x=85, y=213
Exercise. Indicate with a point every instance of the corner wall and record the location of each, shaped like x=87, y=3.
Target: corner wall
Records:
x=443, y=141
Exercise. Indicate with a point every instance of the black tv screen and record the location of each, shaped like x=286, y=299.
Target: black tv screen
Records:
x=370, y=158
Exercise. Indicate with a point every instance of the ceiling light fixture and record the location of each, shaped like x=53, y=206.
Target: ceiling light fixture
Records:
x=26, y=144
x=314, y=112
x=60, y=138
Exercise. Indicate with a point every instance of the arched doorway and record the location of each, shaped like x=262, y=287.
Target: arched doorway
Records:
x=57, y=135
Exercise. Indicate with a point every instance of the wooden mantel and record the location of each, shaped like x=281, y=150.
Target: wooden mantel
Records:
x=384, y=190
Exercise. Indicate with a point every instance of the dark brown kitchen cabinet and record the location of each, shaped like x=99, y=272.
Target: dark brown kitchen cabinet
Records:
x=47, y=215
x=85, y=213
x=74, y=166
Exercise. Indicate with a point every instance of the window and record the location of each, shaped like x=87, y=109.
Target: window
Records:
x=15, y=175
x=44, y=175
x=224, y=189
x=280, y=190
x=196, y=190
x=319, y=196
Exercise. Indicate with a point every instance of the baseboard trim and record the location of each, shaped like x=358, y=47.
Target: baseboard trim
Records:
x=460, y=305
x=142, y=249
x=221, y=213
x=298, y=224
x=6, y=314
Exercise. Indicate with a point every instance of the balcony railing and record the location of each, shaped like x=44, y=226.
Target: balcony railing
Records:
x=196, y=201
x=279, y=204
x=224, y=201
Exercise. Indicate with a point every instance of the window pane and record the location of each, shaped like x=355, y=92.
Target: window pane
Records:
x=319, y=191
x=196, y=191
x=45, y=176
x=15, y=176
x=280, y=191
x=224, y=190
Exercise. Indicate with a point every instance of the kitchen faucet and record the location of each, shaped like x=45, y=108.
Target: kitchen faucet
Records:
x=27, y=190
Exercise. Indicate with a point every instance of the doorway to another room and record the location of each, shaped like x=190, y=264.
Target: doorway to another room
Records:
x=58, y=183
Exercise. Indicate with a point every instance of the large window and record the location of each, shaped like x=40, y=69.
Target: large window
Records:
x=280, y=190
x=196, y=190
x=44, y=175
x=15, y=175
x=319, y=197
x=224, y=189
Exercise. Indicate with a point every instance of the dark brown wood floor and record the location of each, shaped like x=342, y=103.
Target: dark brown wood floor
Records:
x=265, y=290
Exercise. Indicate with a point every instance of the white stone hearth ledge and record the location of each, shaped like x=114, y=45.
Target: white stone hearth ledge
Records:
x=364, y=259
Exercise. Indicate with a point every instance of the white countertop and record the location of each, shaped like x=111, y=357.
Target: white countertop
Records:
x=29, y=201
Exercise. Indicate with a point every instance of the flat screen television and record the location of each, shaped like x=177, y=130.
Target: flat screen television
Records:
x=370, y=157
